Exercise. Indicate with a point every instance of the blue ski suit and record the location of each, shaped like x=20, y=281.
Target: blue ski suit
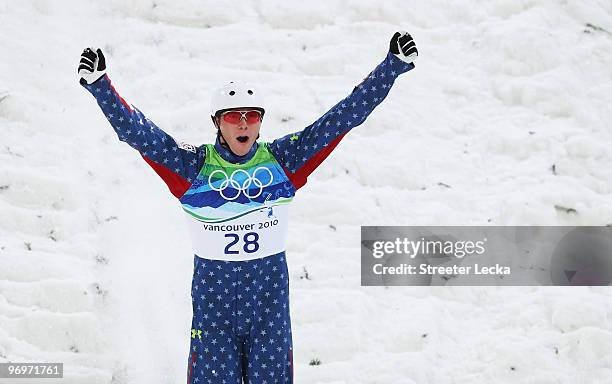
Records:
x=236, y=207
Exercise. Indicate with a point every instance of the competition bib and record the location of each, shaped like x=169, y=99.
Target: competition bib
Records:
x=254, y=235
x=238, y=211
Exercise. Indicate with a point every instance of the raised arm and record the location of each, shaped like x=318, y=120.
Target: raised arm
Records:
x=301, y=153
x=176, y=163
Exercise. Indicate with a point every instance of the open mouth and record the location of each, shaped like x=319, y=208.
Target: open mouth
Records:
x=242, y=139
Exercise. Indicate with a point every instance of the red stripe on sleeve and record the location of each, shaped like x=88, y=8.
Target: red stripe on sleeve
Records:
x=176, y=183
x=299, y=178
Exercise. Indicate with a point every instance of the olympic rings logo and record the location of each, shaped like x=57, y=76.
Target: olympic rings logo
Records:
x=243, y=187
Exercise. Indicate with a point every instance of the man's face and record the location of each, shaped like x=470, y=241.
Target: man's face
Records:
x=240, y=130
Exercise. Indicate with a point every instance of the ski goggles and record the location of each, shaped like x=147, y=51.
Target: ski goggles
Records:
x=234, y=117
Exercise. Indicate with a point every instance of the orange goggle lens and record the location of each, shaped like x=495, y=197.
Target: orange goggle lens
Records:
x=234, y=117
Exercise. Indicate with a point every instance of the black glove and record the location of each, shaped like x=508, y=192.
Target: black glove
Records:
x=403, y=47
x=92, y=66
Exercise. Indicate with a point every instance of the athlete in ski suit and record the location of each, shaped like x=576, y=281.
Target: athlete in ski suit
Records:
x=237, y=214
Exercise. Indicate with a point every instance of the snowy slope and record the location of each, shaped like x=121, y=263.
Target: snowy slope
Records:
x=95, y=260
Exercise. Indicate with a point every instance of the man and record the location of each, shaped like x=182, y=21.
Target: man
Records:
x=235, y=194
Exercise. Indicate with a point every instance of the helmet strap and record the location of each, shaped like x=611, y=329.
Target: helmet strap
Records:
x=220, y=137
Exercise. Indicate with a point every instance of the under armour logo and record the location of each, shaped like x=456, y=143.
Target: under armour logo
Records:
x=197, y=333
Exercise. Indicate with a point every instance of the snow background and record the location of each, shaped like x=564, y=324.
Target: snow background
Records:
x=95, y=262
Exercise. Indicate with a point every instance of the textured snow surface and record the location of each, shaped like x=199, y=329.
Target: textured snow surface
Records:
x=95, y=262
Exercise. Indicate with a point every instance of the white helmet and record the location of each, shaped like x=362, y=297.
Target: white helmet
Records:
x=236, y=95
